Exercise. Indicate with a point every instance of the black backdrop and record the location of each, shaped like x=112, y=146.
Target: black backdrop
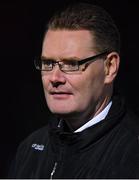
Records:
x=23, y=107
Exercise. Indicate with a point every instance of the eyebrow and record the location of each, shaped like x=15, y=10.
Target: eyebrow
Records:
x=61, y=59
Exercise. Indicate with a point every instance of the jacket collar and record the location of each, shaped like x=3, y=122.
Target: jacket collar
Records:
x=89, y=136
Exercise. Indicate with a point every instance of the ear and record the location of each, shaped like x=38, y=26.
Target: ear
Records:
x=111, y=67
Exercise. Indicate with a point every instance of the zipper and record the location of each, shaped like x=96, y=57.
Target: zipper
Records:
x=53, y=171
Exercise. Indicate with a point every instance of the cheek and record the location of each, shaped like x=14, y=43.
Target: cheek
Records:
x=91, y=86
x=45, y=84
x=45, y=81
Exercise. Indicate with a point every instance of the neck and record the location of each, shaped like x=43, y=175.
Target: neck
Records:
x=75, y=121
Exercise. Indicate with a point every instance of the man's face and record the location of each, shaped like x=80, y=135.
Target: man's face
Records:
x=72, y=93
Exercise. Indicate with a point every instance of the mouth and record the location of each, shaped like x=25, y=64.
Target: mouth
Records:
x=60, y=95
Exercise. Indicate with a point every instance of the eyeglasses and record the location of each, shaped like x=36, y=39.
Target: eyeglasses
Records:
x=65, y=65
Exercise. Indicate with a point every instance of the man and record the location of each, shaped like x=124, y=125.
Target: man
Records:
x=93, y=134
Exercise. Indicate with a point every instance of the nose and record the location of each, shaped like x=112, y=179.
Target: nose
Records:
x=57, y=77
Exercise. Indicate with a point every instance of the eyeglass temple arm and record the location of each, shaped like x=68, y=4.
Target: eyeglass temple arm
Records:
x=93, y=58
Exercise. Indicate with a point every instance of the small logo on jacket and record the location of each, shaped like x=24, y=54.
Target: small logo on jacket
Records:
x=38, y=147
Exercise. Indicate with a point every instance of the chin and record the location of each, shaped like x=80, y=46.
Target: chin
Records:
x=61, y=111
x=66, y=113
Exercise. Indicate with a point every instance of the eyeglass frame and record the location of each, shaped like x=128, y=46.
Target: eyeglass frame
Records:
x=79, y=62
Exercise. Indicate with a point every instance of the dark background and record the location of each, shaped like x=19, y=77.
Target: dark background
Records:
x=23, y=107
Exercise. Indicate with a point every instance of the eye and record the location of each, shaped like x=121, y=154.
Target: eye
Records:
x=70, y=63
x=47, y=64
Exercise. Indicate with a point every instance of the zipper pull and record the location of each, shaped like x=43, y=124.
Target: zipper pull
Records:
x=53, y=171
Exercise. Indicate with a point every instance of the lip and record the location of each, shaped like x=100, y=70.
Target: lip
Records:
x=60, y=95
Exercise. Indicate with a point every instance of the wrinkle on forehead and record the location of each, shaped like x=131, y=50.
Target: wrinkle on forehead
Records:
x=65, y=43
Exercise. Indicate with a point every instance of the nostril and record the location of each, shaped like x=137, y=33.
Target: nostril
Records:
x=56, y=84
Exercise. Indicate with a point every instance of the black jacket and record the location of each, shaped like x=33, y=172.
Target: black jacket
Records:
x=109, y=149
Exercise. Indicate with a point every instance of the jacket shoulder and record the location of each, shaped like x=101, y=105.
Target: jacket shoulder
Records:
x=131, y=123
x=36, y=139
x=29, y=151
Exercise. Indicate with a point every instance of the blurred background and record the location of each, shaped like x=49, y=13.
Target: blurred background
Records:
x=23, y=107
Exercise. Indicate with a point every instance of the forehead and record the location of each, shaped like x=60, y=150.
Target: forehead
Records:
x=67, y=42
